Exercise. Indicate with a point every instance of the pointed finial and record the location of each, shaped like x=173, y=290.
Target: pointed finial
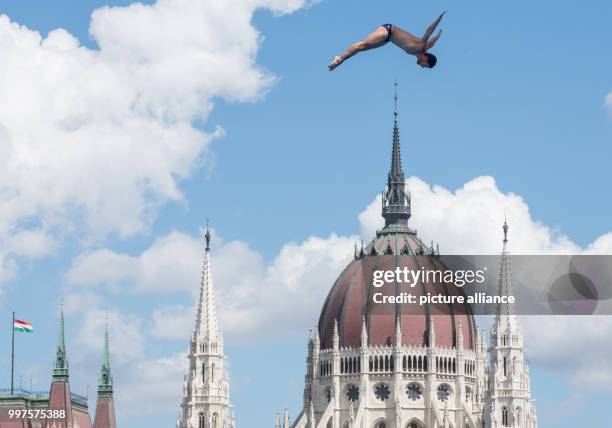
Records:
x=398, y=330
x=505, y=230
x=395, y=99
x=207, y=236
x=364, y=332
x=432, y=334
x=460, y=335
x=336, y=337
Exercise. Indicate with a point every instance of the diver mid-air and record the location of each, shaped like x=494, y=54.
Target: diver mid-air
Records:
x=410, y=43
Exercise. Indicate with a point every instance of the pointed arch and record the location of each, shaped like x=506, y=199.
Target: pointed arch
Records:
x=415, y=423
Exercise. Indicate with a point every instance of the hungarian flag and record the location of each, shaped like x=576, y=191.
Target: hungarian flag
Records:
x=23, y=326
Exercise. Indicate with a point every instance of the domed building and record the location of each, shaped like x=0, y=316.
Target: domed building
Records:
x=410, y=366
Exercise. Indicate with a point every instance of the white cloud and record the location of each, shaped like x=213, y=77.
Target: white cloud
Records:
x=170, y=264
x=93, y=141
x=579, y=346
x=468, y=220
x=151, y=385
x=125, y=329
x=173, y=322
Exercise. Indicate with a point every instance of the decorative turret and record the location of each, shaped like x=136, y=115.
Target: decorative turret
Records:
x=105, y=406
x=396, y=202
x=60, y=366
x=364, y=333
x=432, y=334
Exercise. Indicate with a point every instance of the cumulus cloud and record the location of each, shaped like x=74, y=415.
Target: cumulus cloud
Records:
x=556, y=343
x=151, y=385
x=468, y=220
x=93, y=141
x=92, y=312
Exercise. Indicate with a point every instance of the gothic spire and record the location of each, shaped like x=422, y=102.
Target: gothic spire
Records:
x=60, y=367
x=105, y=387
x=505, y=279
x=396, y=156
x=207, y=328
x=396, y=202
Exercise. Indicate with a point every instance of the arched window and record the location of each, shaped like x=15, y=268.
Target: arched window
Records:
x=201, y=420
x=505, y=417
x=381, y=425
x=203, y=372
x=518, y=416
x=505, y=367
x=214, y=423
x=212, y=373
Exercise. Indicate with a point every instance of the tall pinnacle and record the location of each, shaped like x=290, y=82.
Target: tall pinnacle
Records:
x=60, y=367
x=105, y=387
x=396, y=202
x=396, y=156
x=505, y=279
x=207, y=328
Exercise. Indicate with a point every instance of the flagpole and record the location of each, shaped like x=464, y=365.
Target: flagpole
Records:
x=13, y=354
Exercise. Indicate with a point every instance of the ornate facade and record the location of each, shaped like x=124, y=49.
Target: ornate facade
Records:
x=369, y=368
x=206, y=402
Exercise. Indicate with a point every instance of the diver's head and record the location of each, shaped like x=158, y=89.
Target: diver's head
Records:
x=426, y=60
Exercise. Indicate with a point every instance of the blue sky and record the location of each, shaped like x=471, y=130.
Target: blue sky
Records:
x=518, y=94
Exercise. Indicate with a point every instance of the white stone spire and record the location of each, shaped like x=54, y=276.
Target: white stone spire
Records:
x=207, y=326
x=508, y=402
x=505, y=313
x=206, y=402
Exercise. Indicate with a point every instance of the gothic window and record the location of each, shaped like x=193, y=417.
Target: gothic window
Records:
x=505, y=367
x=352, y=393
x=328, y=394
x=212, y=373
x=201, y=420
x=203, y=373
x=518, y=417
x=505, y=417
x=382, y=391
x=214, y=423
x=443, y=392
x=414, y=391
x=381, y=425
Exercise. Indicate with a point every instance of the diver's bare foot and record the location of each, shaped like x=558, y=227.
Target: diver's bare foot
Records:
x=335, y=63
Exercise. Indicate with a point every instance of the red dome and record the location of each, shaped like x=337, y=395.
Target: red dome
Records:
x=350, y=299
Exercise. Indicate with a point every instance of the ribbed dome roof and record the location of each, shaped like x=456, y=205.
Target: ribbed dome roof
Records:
x=351, y=299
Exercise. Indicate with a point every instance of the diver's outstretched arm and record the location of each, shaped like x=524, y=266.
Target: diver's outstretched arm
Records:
x=431, y=42
x=432, y=28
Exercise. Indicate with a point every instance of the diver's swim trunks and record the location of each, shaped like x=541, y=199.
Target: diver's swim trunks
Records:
x=389, y=29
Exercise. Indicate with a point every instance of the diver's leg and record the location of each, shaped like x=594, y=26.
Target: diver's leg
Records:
x=374, y=40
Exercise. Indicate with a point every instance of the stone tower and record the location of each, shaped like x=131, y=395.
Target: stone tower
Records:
x=206, y=402
x=508, y=401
